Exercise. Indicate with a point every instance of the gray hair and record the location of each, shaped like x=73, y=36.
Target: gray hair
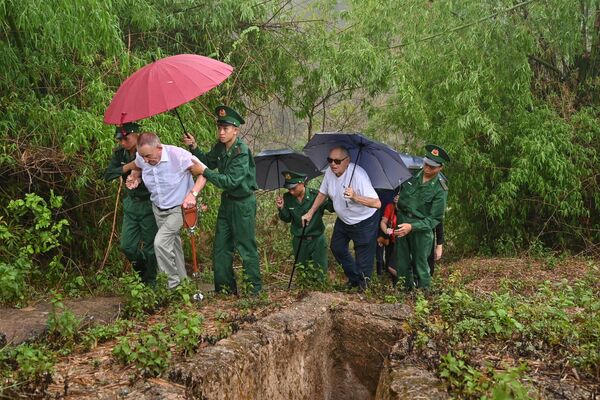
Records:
x=344, y=150
x=148, y=139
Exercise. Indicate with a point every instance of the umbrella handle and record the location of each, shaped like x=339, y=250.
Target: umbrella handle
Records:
x=297, y=254
x=182, y=126
x=354, y=169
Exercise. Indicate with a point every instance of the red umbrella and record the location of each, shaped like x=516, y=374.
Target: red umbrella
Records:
x=164, y=85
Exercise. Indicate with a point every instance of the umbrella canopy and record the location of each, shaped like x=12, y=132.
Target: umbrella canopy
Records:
x=412, y=162
x=164, y=85
x=383, y=165
x=270, y=164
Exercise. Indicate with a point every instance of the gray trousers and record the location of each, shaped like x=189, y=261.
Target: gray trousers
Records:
x=167, y=244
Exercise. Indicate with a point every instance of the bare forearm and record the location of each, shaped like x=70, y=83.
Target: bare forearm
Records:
x=383, y=224
x=319, y=200
x=130, y=167
x=199, y=184
x=367, y=201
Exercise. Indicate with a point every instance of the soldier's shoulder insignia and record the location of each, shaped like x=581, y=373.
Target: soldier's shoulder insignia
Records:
x=443, y=183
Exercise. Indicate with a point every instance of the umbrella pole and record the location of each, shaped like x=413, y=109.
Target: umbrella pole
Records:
x=182, y=126
x=354, y=169
x=297, y=254
x=278, y=188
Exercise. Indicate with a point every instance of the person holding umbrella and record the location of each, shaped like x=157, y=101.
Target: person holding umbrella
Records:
x=230, y=166
x=167, y=172
x=421, y=205
x=355, y=202
x=139, y=226
x=308, y=241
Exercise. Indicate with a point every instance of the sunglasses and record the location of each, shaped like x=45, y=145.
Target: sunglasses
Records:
x=333, y=160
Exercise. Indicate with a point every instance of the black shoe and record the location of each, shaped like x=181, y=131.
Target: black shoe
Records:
x=364, y=284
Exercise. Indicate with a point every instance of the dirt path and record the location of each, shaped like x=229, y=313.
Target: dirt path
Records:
x=26, y=324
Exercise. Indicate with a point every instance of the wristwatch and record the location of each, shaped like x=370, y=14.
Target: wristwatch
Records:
x=195, y=194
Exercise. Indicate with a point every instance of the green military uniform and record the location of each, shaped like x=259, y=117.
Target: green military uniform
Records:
x=233, y=171
x=314, y=244
x=422, y=205
x=139, y=226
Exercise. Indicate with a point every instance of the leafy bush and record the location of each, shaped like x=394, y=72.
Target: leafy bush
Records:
x=310, y=276
x=186, y=328
x=29, y=232
x=27, y=368
x=139, y=298
x=148, y=351
x=13, y=280
x=101, y=333
x=62, y=323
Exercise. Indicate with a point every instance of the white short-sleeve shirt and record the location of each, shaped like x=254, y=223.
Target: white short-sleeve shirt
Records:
x=347, y=210
x=169, y=181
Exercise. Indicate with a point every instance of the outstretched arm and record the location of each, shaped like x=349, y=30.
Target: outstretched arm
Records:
x=320, y=199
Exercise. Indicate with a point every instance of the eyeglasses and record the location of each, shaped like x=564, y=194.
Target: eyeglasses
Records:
x=333, y=160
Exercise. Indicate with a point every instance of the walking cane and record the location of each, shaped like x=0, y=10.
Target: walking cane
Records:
x=190, y=219
x=297, y=254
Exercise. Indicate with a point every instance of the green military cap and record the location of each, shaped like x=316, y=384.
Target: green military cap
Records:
x=123, y=130
x=435, y=155
x=292, y=179
x=227, y=115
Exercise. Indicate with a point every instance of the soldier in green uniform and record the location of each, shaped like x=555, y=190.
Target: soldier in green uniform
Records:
x=139, y=226
x=230, y=166
x=421, y=205
x=292, y=206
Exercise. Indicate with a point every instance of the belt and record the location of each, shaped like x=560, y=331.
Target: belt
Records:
x=165, y=209
x=308, y=237
x=230, y=197
x=138, y=198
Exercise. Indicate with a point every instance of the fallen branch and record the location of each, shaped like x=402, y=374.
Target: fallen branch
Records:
x=112, y=232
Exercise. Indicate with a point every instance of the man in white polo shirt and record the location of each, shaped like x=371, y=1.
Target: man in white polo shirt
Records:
x=167, y=173
x=355, y=202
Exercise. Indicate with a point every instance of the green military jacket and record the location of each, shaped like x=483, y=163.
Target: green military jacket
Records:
x=422, y=204
x=114, y=170
x=232, y=170
x=292, y=211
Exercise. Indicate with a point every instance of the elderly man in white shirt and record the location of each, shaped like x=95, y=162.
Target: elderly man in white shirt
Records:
x=355, y=202
x=167, y=173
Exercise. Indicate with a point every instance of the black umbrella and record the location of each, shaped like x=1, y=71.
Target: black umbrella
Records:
x=270, y=164
x=384, y=165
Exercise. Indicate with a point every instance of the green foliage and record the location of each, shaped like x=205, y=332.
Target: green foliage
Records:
x=62, y=323
x=27, y=368
x=30, y=233
x=466, y=381
x=462, y=378
x=524, y=144
x=101, y=333
x=13, y=281
x=148, y=351
x=561, y=319
x=139, y=298
x=34, y=230
x=186, y=328
x=310, y=276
